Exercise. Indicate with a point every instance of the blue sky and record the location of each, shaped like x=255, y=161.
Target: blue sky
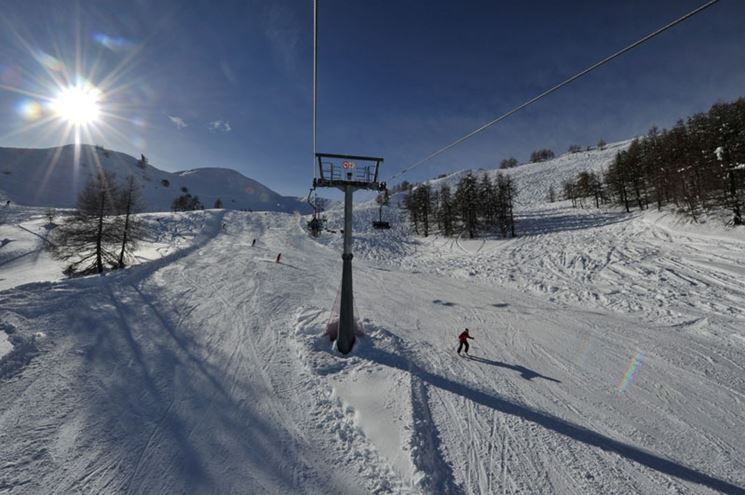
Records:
x=228, y=83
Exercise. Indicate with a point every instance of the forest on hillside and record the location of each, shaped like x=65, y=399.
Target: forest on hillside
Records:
x=477, y=205
x=697, y=166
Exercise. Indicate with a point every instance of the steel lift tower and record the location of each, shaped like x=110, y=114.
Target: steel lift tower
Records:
x=347, y=173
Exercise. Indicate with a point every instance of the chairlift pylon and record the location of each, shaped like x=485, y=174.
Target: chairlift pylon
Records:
x=347, y=173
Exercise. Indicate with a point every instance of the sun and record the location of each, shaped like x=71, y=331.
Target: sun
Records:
x=78, y=105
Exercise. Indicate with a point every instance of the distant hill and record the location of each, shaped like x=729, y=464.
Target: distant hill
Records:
x=535, y=179
x=49, y=177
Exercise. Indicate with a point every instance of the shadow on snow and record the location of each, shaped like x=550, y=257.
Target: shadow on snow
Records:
x=166, y=404
x=526, y=373
x=547, y=221
x=558, y=425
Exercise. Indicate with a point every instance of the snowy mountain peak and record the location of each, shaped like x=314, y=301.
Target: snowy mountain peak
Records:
x=53, y=177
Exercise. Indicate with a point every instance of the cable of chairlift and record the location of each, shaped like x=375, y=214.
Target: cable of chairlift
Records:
x=556, y=87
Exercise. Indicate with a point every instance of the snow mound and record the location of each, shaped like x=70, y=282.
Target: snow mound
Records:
x=17, y=349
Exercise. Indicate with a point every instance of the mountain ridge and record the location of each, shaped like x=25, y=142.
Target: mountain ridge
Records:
x=53, y=177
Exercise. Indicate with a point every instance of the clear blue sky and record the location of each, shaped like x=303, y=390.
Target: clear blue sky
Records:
x=228, y=83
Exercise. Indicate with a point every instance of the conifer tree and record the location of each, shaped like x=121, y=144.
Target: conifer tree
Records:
x=488, y=202
x=89, y=238
x=129, y=202
x=467, y=201
x=506, y=193
x=698, y=164
x=446, y=212
x=423, y=204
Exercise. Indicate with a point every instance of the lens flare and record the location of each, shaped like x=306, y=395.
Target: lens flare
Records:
x=48, y=61
x=78, y=104
x=58, y=101
x=29, y=110
x=630, y=373
x=138, y=142
x=113, y=43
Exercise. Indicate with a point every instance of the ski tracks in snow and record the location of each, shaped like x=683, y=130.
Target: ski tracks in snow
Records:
x=208, y=371
x=338, y=418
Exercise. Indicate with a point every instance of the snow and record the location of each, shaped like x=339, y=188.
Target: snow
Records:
x=206, y=369
x=53, y=178
x=719, y=152
x=23, y=257
x=535, y=179
x=5, y=345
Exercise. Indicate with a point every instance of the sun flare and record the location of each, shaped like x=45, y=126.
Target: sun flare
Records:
x=78, y=105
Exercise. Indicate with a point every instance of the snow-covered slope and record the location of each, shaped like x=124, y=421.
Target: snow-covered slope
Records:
x=609, y=357
x=24, y=232
x=49, y=177
x=208, y=371
x=23, y=257
x=535, y=179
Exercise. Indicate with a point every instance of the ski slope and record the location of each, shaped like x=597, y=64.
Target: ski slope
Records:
x=535, y=179
x=609, y=357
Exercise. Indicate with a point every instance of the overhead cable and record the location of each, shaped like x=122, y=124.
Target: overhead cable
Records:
x=558, y=86
x=315, y=80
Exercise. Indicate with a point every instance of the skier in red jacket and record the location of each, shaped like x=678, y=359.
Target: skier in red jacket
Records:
x=463, y=338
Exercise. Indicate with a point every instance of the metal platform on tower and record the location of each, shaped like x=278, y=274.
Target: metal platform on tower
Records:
x=343, y=171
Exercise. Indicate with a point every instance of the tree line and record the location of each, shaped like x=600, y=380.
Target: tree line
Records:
x=475, y=206
x=697, y=165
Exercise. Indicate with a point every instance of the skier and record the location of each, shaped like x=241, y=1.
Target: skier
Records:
x=463, y=338
x=253, y=243
x=279, y=258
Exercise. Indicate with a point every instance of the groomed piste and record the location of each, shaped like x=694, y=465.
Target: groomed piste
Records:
x=607, y=358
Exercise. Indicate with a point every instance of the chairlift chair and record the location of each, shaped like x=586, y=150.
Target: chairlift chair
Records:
x=379, y=223
x=315, y=224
